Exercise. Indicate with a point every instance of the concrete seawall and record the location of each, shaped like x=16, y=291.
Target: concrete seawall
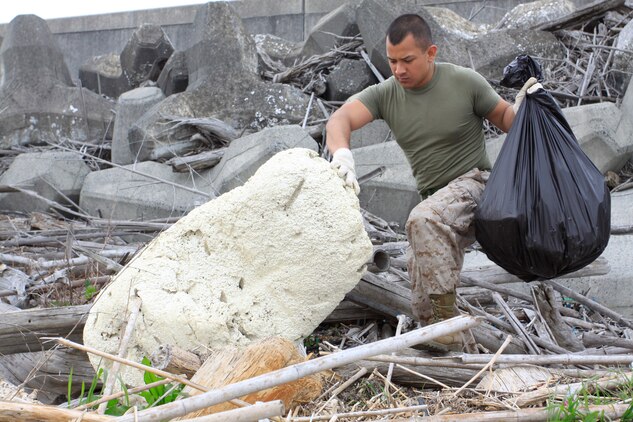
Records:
x=84, y=37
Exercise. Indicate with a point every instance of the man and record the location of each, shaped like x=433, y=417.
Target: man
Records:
x=436, y=112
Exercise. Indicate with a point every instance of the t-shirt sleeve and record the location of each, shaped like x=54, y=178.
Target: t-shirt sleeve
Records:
x=371, y=98
x=485, y=97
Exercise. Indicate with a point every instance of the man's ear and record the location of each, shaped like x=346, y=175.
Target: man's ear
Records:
x=431, y=52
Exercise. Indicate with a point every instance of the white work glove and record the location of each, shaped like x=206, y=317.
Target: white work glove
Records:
x=529, y=87
x=343, y=163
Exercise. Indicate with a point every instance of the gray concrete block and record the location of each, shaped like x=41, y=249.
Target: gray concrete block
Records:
x=174, y=77
x=245, y=155
x=624, y=131
x=103, y=75
x=373, y=133
x=40, y=104
x=278, y=49
x=392, y=195
x=141, y=60
x=373, y=18
x=593, y=125
x=218, y=24
x=323, y=37
x=223, y=84
x=347, y=78
x=145, y=54
x=130, y=106
x=531, y=14
x=121, y=194
x=51, y=174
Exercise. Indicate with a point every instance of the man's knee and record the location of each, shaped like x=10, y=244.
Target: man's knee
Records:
x=419, y=218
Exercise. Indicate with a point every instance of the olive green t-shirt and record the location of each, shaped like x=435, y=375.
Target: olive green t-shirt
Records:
x=439, y=126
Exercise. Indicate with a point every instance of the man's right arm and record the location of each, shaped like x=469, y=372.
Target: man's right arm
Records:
x=349, y=117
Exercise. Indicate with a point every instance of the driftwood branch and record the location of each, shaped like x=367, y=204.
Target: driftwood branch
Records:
x=591, y=304
x=200, y=161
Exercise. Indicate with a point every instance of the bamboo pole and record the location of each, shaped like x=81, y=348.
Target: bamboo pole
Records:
x=419, y=361
x=135, y=309
x=550, y=359
x=294, y=372
x=401, y=320
x=611, y=411
x=252, y=413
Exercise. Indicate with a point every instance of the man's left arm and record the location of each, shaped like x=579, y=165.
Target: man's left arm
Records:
x=502, y=115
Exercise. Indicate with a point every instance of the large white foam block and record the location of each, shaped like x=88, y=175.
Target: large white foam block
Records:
x=272, y=257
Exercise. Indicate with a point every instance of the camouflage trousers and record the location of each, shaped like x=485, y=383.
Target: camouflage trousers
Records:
x=439, y=229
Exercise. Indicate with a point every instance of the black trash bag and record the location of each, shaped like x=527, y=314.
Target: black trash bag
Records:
x=520, y=70
x=546, y=209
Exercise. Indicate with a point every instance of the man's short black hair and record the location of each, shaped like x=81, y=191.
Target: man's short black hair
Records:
x=412, y=24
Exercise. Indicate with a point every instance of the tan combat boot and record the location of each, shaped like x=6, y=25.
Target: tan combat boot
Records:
x=443, y=307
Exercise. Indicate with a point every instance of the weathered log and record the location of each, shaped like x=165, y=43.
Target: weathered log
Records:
x=48, y=372
x=548, y=309
x=450, y=376
x=383, y=296
x=350, y=311
x=622, y=229
x=491, y=339
x=497, y=275
x=21, y=331
x=470, y=281
x=590, y=339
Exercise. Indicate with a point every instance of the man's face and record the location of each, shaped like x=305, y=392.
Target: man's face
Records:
x=411, y=66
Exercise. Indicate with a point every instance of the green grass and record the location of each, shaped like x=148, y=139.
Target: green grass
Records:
x=576, y=407
x=154, y=396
